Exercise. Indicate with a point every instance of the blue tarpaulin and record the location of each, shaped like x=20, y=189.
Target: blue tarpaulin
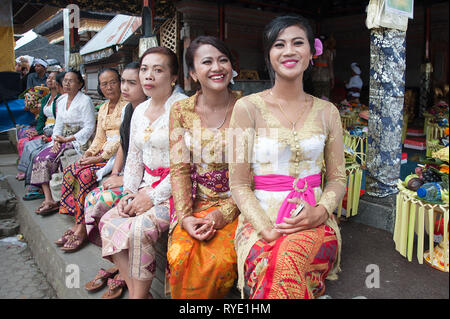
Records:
x=20, y=115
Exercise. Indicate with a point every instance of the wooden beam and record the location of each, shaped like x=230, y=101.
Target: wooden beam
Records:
x=43, y=14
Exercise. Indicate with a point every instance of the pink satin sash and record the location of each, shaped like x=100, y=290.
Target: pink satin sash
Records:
x=301, y=188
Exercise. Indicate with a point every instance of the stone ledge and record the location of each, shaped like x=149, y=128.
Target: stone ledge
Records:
x=40, y=232
x=377, y=212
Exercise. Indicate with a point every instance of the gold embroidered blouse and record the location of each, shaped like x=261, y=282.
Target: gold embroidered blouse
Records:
x=268, y=147
x=204, y=148
x=107, y=137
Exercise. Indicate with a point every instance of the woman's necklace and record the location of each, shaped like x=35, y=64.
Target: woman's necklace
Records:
x=284, y=114
x=149, y=130
x=225, y=117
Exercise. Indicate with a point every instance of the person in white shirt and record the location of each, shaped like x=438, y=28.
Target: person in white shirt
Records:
x=355, y=83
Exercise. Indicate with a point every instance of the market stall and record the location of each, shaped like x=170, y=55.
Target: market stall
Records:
x=422, y=207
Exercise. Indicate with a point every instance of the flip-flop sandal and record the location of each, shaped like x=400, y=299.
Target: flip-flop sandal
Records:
x=73, y=243
x=64, y=238
x=33, y=195
x=100, y=279
x=115, y=288
x=48, y=209
x=20, y=176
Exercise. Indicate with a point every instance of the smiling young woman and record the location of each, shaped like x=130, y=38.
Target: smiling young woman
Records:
x=285, y=171
x=203, y=232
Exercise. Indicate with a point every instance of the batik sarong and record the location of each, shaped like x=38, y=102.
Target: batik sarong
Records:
x=293, y=267
x=78, y=181
x=137, y=234
x=98, y=203
x=203, y=269
x=46, y=163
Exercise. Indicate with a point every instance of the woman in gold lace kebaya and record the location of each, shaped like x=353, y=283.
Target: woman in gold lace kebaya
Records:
x=287, y=136
x=201, y=255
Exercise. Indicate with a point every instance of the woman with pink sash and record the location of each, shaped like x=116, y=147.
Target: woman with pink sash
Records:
x=130, y=230
x=289, y=138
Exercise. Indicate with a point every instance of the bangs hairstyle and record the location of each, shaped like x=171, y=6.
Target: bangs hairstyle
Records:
x=99, y=91
x=173, y=60
x=275, y=27
x=201, y=40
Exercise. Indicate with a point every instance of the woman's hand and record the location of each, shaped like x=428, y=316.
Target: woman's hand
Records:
x=90, y=160
x=55, y=148
x=270, y=235
x=59, y=139
x=309, y=217
x=124, y=206
x=141, y=202
x=201, y=229
x=113, y=181
x=134, y=204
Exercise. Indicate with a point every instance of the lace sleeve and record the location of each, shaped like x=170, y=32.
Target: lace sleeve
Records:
x=335, y=176
x=134, y=166
x=161, y=192
x=180, y=166
x=243, y=125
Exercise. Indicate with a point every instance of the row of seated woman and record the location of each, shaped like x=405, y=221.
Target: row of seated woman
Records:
x=248, y=207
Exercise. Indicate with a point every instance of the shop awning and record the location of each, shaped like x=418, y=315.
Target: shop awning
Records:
x=115, y=33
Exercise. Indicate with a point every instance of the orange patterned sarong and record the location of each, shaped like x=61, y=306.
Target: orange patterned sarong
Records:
x=202, y=269
x=292, y=267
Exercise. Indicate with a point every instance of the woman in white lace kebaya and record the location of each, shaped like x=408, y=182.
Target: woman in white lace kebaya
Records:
x=130, y=230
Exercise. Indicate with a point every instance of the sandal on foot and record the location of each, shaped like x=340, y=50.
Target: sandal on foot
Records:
x=73, y=243
x=64, y=238
x=48, y=208
x=100, y=279
x=20, y=176
x=39, y=208
x=32, y=195
x=115, y=288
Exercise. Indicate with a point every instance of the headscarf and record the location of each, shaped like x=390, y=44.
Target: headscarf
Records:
x=355, y=68
x=41, y=62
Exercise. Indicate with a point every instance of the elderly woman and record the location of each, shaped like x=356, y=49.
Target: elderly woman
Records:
x=44, y=131
x=80, y=177
x=105, y=197
x=74, y=126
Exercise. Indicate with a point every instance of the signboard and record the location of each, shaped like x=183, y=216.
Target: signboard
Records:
x=401, y=7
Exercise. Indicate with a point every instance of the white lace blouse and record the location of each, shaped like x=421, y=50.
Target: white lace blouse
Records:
x=80, y=113
x=149, y=146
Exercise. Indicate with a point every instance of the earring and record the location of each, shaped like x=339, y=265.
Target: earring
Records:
x=172, y=84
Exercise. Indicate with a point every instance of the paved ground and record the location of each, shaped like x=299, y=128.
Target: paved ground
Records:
x=20, y=277
x=371, y=267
